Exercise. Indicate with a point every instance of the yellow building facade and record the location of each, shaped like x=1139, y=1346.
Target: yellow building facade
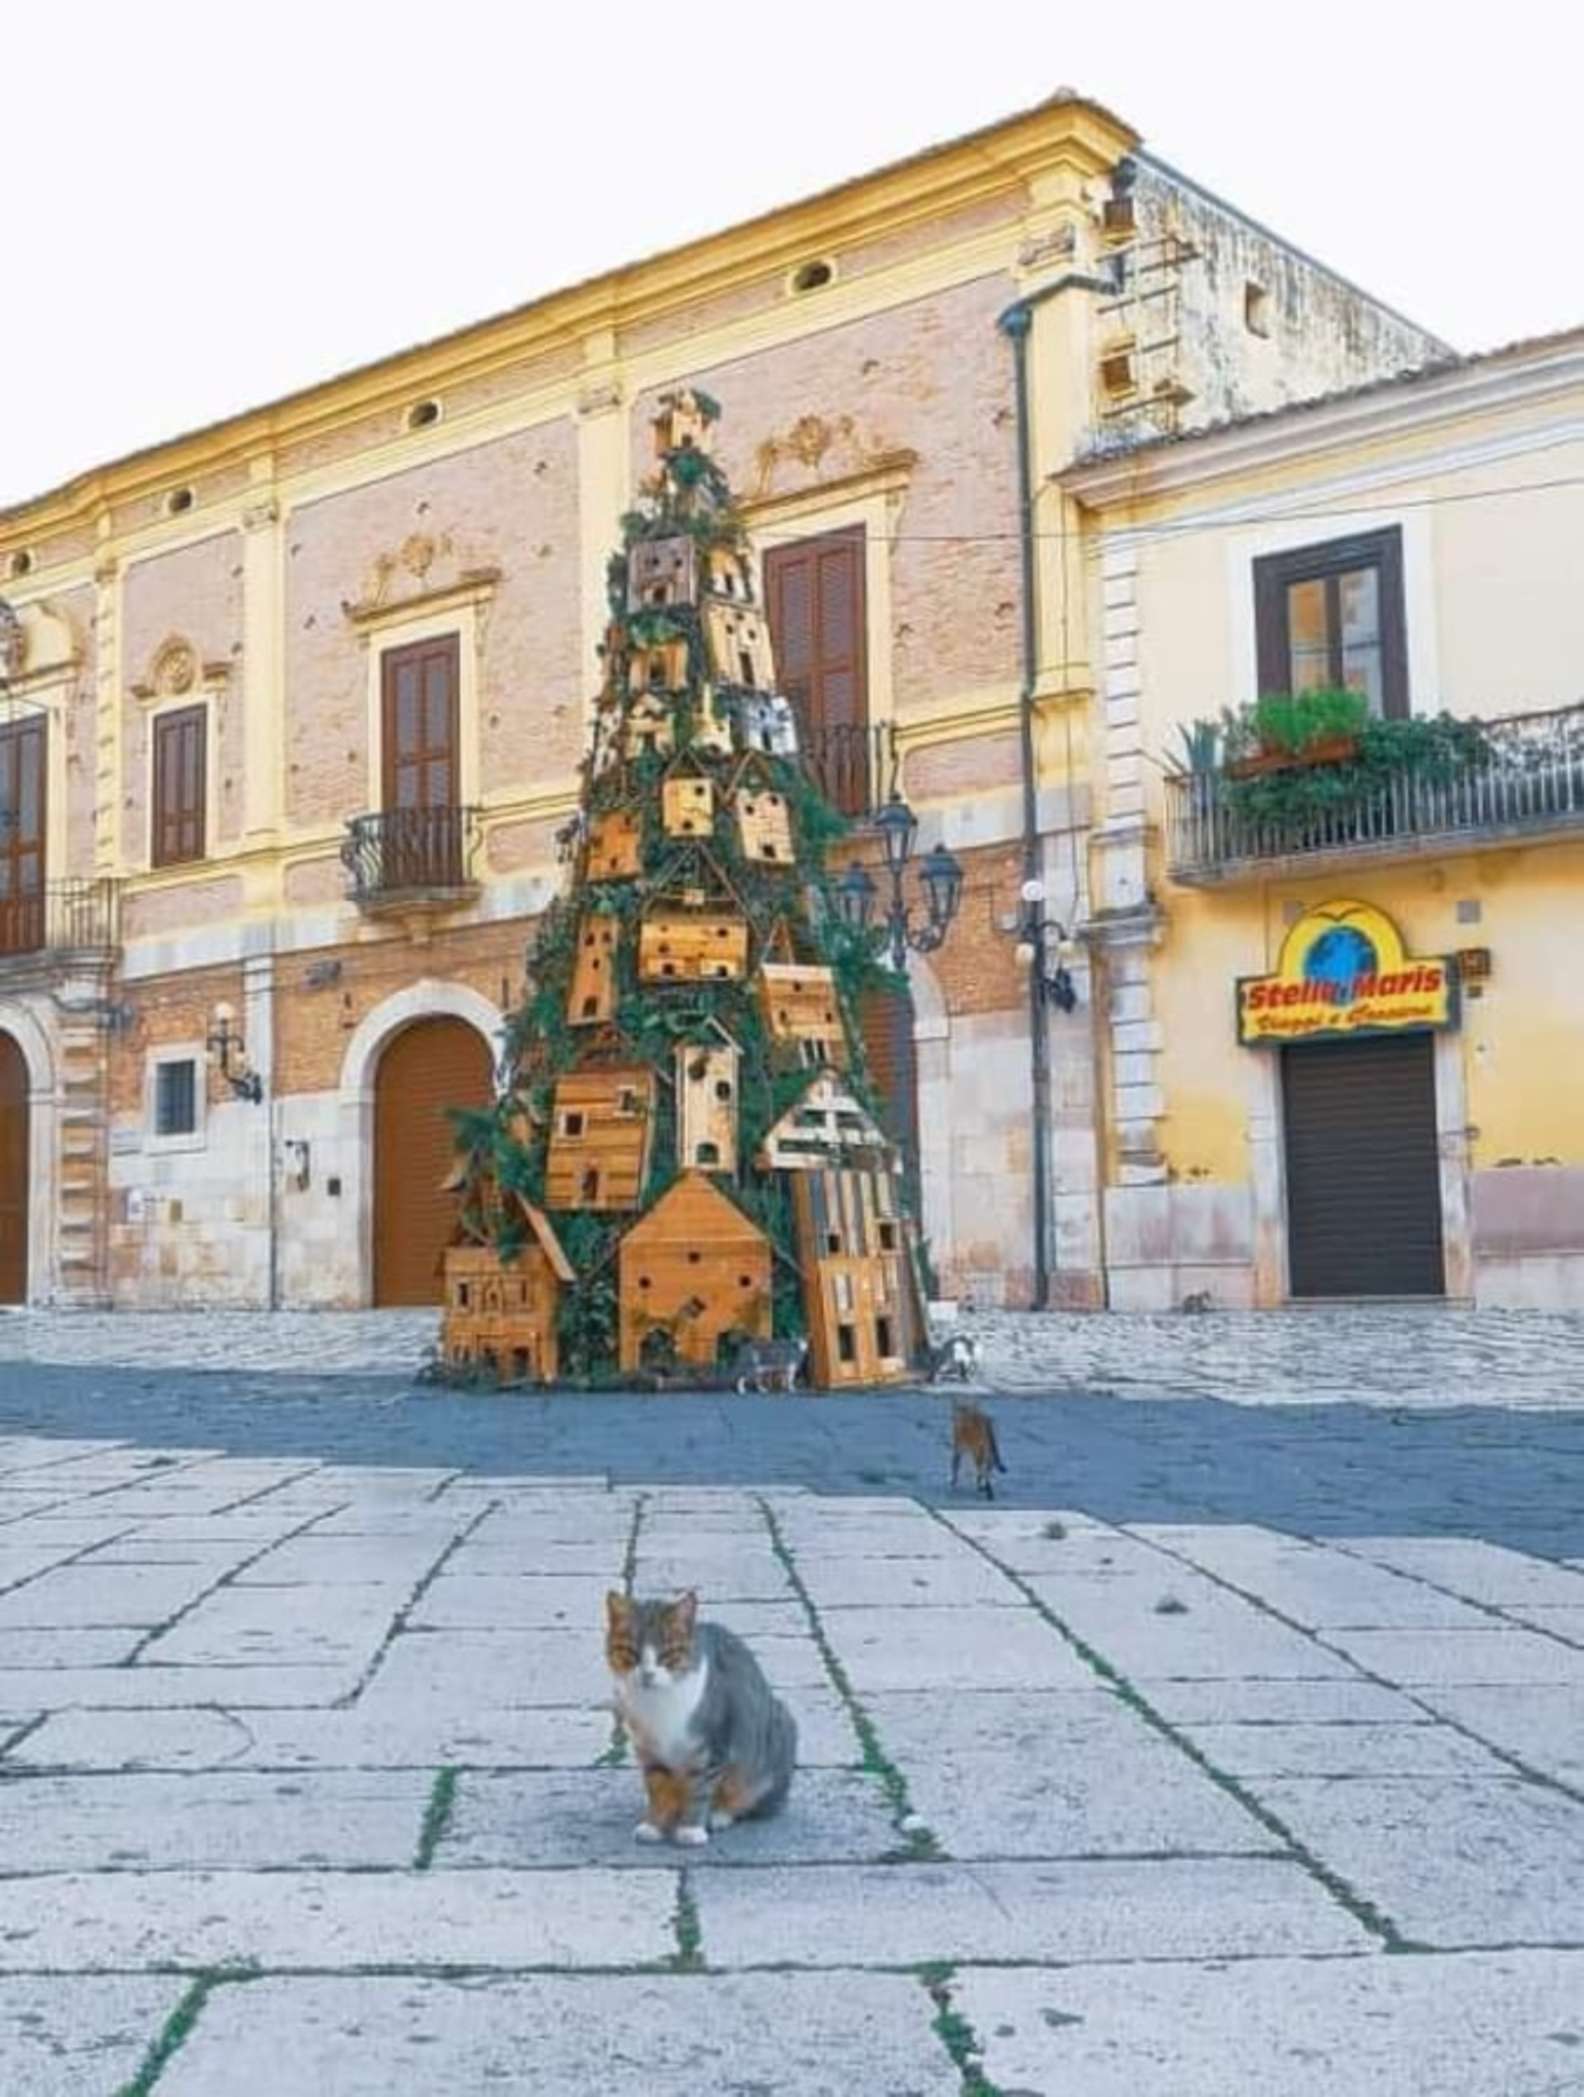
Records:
x=1342, y=1055
x=292, y=706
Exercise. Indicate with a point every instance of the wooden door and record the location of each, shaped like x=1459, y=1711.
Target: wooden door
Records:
x=432, y=1066
x=422, y=828
x=22, y=817
x=814, y=591
x=1363, y=1167
x=13, y=1173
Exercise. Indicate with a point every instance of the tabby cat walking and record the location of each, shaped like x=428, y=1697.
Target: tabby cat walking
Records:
x=714, y=1742
x=974, y=1436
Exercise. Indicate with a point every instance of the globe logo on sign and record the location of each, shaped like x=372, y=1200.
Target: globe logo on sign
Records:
x=1338, y=959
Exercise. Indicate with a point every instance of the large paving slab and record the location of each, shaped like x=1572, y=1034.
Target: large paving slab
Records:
x=1314, y=1585
x=1481, y=2025
x=588, y=1817
x=1483, y=1571
x=1543, y=1727
x=1497, y=1654
x=1300, y=1750
x=1449, y=1860
x=910, y=1914
x=952, y=1649
x=677, y=2035
x=64, y=2036
x=212, y=1821
x=501, y=1669
x=503, y=1920
x=1172, y=1625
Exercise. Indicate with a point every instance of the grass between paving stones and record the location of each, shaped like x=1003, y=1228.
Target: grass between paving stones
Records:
x=173, y=2033
x=226, y=1580
x=616, y=1754
x=399, y=1621
x=436, y=1815
x=689, y=1954
x=1364, y=1911
x=919, y=1843
x=955, y=2033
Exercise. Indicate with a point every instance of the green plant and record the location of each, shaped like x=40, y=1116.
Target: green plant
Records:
x=1434, y=749
x=1293, y=721
x=1201, y=741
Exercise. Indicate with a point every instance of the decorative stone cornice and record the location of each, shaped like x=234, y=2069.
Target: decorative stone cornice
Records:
x=473, y=586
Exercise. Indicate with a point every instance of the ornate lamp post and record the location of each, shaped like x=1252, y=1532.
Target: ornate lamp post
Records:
x=940, y=879
x=226, y=1048
x=1042, y=945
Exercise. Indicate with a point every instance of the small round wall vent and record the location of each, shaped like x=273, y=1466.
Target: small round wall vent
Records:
x=20, y=564
x=422, y=413
x=812, y=276
x=178, y=501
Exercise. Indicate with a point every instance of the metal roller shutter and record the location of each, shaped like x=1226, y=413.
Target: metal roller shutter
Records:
x=1363, y=1173
x=432, y=1066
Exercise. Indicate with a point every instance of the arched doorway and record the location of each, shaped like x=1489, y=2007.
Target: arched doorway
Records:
x=14, y=1135
x=427, y=1068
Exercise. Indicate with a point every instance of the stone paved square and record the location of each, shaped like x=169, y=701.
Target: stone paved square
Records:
x=1234, y=1752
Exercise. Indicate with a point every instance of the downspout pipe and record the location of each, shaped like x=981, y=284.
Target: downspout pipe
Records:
x=1016, y=323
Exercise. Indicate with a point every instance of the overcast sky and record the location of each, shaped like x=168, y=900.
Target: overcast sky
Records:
x=211, y=205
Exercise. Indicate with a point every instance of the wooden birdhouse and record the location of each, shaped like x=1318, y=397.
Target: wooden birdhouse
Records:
x=681, y=422
x=712, y=723
x=730, y=574
x=859, y=1294
x=703, y=943
x=769, y=724
x=706, y=1095
x=764, y=823
x=661, y=572
x=690, y=1273
x=688, y=806
x=658, y=666
x=739, y=645
x=802, y=1015
x=825, y=1128
x=501, y=1314
x=649, y=729
x=600, y=1131
x=592, y=998
x=615, y=851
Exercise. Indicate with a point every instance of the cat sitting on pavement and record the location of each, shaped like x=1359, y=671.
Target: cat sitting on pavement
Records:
x=714, y=1742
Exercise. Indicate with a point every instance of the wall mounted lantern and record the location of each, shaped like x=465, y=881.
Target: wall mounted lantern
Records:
x=230, y=1058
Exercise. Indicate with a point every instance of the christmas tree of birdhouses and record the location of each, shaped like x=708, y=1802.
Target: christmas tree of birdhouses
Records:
x=686, y=1174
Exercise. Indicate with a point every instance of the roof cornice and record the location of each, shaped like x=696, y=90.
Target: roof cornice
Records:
x=1318, y=429
x=1012, y=157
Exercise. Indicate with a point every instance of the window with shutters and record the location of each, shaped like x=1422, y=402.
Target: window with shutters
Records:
x=422, y=828
x=814, y=592
x=180, y=785
x=1330, y=616
x=23, y=752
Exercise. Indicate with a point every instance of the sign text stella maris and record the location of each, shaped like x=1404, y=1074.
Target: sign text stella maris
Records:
x=1342, y=970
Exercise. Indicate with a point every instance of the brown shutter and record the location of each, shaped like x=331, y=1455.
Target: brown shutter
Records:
x=180, y=755
x=23, y=777
x=13, y=1172
x=421, y=724
x=814, y=593
x=1363, y=1167
x=432, y=1066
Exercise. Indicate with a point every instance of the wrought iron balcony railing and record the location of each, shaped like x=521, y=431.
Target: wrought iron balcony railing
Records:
x=59, y=917
x=402, y=854
x=854, y=764
x=1525, y=778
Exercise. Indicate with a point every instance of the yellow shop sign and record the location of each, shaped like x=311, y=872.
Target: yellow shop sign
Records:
x=1342, y=970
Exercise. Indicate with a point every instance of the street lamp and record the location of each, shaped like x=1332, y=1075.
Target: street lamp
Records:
x=223, y=1045
x=1042, y=944
x=940, y=878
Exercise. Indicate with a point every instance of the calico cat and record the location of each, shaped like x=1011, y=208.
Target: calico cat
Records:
x=714, y=1743
x=974, y=1436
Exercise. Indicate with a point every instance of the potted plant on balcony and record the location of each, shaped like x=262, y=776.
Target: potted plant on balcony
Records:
x=1319, y=727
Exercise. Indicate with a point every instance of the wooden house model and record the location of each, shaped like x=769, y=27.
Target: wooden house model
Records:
x=826, y=1127
x=690, y=1272
x=501, y=1314
x=687, y=804
x=649, y=729
x=769, y=724
x=861, y=1300
x=615, y=846
x=712, y=723
x=600, y=1130
x=680, y=942
x=662, y=572
x=680, y=424
x=764, y=821
x=706, y=1096
x=739, y=645
x=801, y=1014
x=592, y=999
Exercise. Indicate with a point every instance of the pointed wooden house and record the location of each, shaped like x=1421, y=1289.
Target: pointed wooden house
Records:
x=802, y=1016
x=500, y=1313
x=691, y=1272
x=859, y=1291
x=825, y=1127
x=707, y=1104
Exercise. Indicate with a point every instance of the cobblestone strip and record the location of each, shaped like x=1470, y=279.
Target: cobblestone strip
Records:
x=1363, y=1911
x=1414, y=1695
x=919, y=1842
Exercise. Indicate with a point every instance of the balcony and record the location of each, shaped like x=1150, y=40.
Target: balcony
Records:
x=1524, y=781
x=411, y=856
x=61, y=919
x=854, y=764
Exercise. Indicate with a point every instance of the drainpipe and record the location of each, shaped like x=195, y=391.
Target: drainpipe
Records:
x=1016, y=323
